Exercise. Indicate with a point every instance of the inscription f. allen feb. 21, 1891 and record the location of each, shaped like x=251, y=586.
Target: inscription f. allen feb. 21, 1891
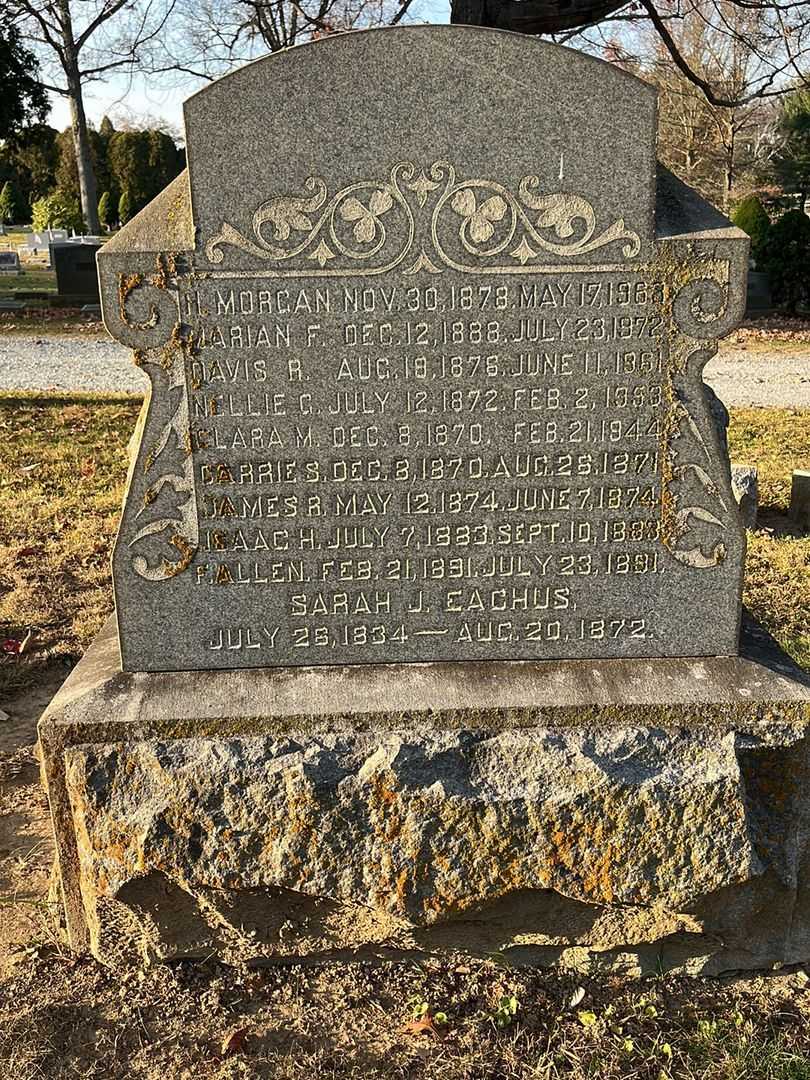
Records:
x=442, y=404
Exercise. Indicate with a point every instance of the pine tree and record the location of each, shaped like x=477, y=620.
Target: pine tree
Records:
x=104, y=210
x=8, y=204
x=124, y=207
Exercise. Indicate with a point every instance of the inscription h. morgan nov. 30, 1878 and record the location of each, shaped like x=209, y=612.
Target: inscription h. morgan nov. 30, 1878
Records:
x=436, y=404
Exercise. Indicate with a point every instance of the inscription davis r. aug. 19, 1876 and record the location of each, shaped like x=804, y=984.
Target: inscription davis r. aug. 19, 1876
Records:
x=375, y=452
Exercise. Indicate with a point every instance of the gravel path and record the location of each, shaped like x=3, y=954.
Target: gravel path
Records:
x=738, y=376
x=65, y=362
x=780, y=379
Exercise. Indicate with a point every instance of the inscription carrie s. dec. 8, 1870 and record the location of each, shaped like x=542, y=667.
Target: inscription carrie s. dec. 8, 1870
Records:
x=426, y=375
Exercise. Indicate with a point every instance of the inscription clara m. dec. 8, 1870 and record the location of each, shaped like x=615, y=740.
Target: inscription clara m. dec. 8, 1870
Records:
x=420, y=395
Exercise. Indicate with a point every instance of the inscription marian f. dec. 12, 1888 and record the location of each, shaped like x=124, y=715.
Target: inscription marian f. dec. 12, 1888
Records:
x=428, y=415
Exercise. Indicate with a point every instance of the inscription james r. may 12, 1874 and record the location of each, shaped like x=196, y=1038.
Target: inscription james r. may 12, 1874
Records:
x=425, y=334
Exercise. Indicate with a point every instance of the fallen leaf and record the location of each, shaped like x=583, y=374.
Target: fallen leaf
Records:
x=235, y=1042
x=88, y=468
x=423, y=1024
x=29, y=552
x=10, y=645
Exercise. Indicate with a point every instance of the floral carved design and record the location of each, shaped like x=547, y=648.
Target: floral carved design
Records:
x=371, y=226
x=368, y=223
x=167, y=465
x=525, y=227
x=696, y=510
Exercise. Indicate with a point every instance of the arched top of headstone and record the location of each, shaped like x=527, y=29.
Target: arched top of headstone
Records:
x=544, y=124
x=347, y=109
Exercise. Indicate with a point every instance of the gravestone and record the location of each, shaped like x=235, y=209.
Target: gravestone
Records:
x=745, y=485
x=799, y=510
x=428, y=576
x=431, y=399
x=39, y=241
x=9, y=262
x=74, y=262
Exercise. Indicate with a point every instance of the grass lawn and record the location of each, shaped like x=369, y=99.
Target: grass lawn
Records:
x=32, y=279
x=62, y=469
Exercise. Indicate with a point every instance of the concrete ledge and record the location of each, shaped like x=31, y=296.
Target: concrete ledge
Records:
x=726, y=690
x=565, y=812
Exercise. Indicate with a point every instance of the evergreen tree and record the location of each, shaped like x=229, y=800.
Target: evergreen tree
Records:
x=29, y=160
x=104, y=208
x=8, y=204
x=750, y=216
x=124, y=207
x=23, y=100
x=128, y=157
x=787, y=258
x=792, y=163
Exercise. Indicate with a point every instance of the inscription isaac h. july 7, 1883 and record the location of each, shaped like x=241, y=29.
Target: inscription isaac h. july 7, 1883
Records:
x=426, y=368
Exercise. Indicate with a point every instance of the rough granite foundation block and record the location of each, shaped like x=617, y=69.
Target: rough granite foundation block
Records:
x=627, y=813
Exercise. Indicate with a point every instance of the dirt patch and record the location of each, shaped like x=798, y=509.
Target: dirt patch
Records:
x=26, y=839
x=457, y=1020
x=25, y=707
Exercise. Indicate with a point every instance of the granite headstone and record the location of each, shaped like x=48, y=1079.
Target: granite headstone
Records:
x=426, y=369
x=425, y=332
x=9, y=262
x=75, y=267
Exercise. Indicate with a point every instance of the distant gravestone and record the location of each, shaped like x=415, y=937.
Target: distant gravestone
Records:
x=39, y=241
x=745, y=485
x=800, y=498
x=9, y=263
x=427, y=386
x=75, y=267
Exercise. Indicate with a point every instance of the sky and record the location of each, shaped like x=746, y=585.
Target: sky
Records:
x=134, y=98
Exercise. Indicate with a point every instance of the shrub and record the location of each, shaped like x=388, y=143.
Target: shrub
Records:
x=124, y=207
x=751, y=217
x=9, y=204
x=57, y=211
x=787, y=258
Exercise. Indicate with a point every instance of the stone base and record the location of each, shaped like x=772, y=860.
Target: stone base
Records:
x=627, y=813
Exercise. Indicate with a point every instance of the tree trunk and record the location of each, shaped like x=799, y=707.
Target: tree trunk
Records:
x=81, y=140
x=84, y=161
x=730, y=155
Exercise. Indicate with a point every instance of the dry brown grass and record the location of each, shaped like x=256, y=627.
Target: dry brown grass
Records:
x=62, y=469
x=777, y=572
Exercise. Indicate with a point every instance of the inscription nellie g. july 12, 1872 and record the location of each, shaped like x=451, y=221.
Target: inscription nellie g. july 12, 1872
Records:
x=426, y=370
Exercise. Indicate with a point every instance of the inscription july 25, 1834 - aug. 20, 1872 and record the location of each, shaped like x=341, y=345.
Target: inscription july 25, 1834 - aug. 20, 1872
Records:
x=435, y=407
